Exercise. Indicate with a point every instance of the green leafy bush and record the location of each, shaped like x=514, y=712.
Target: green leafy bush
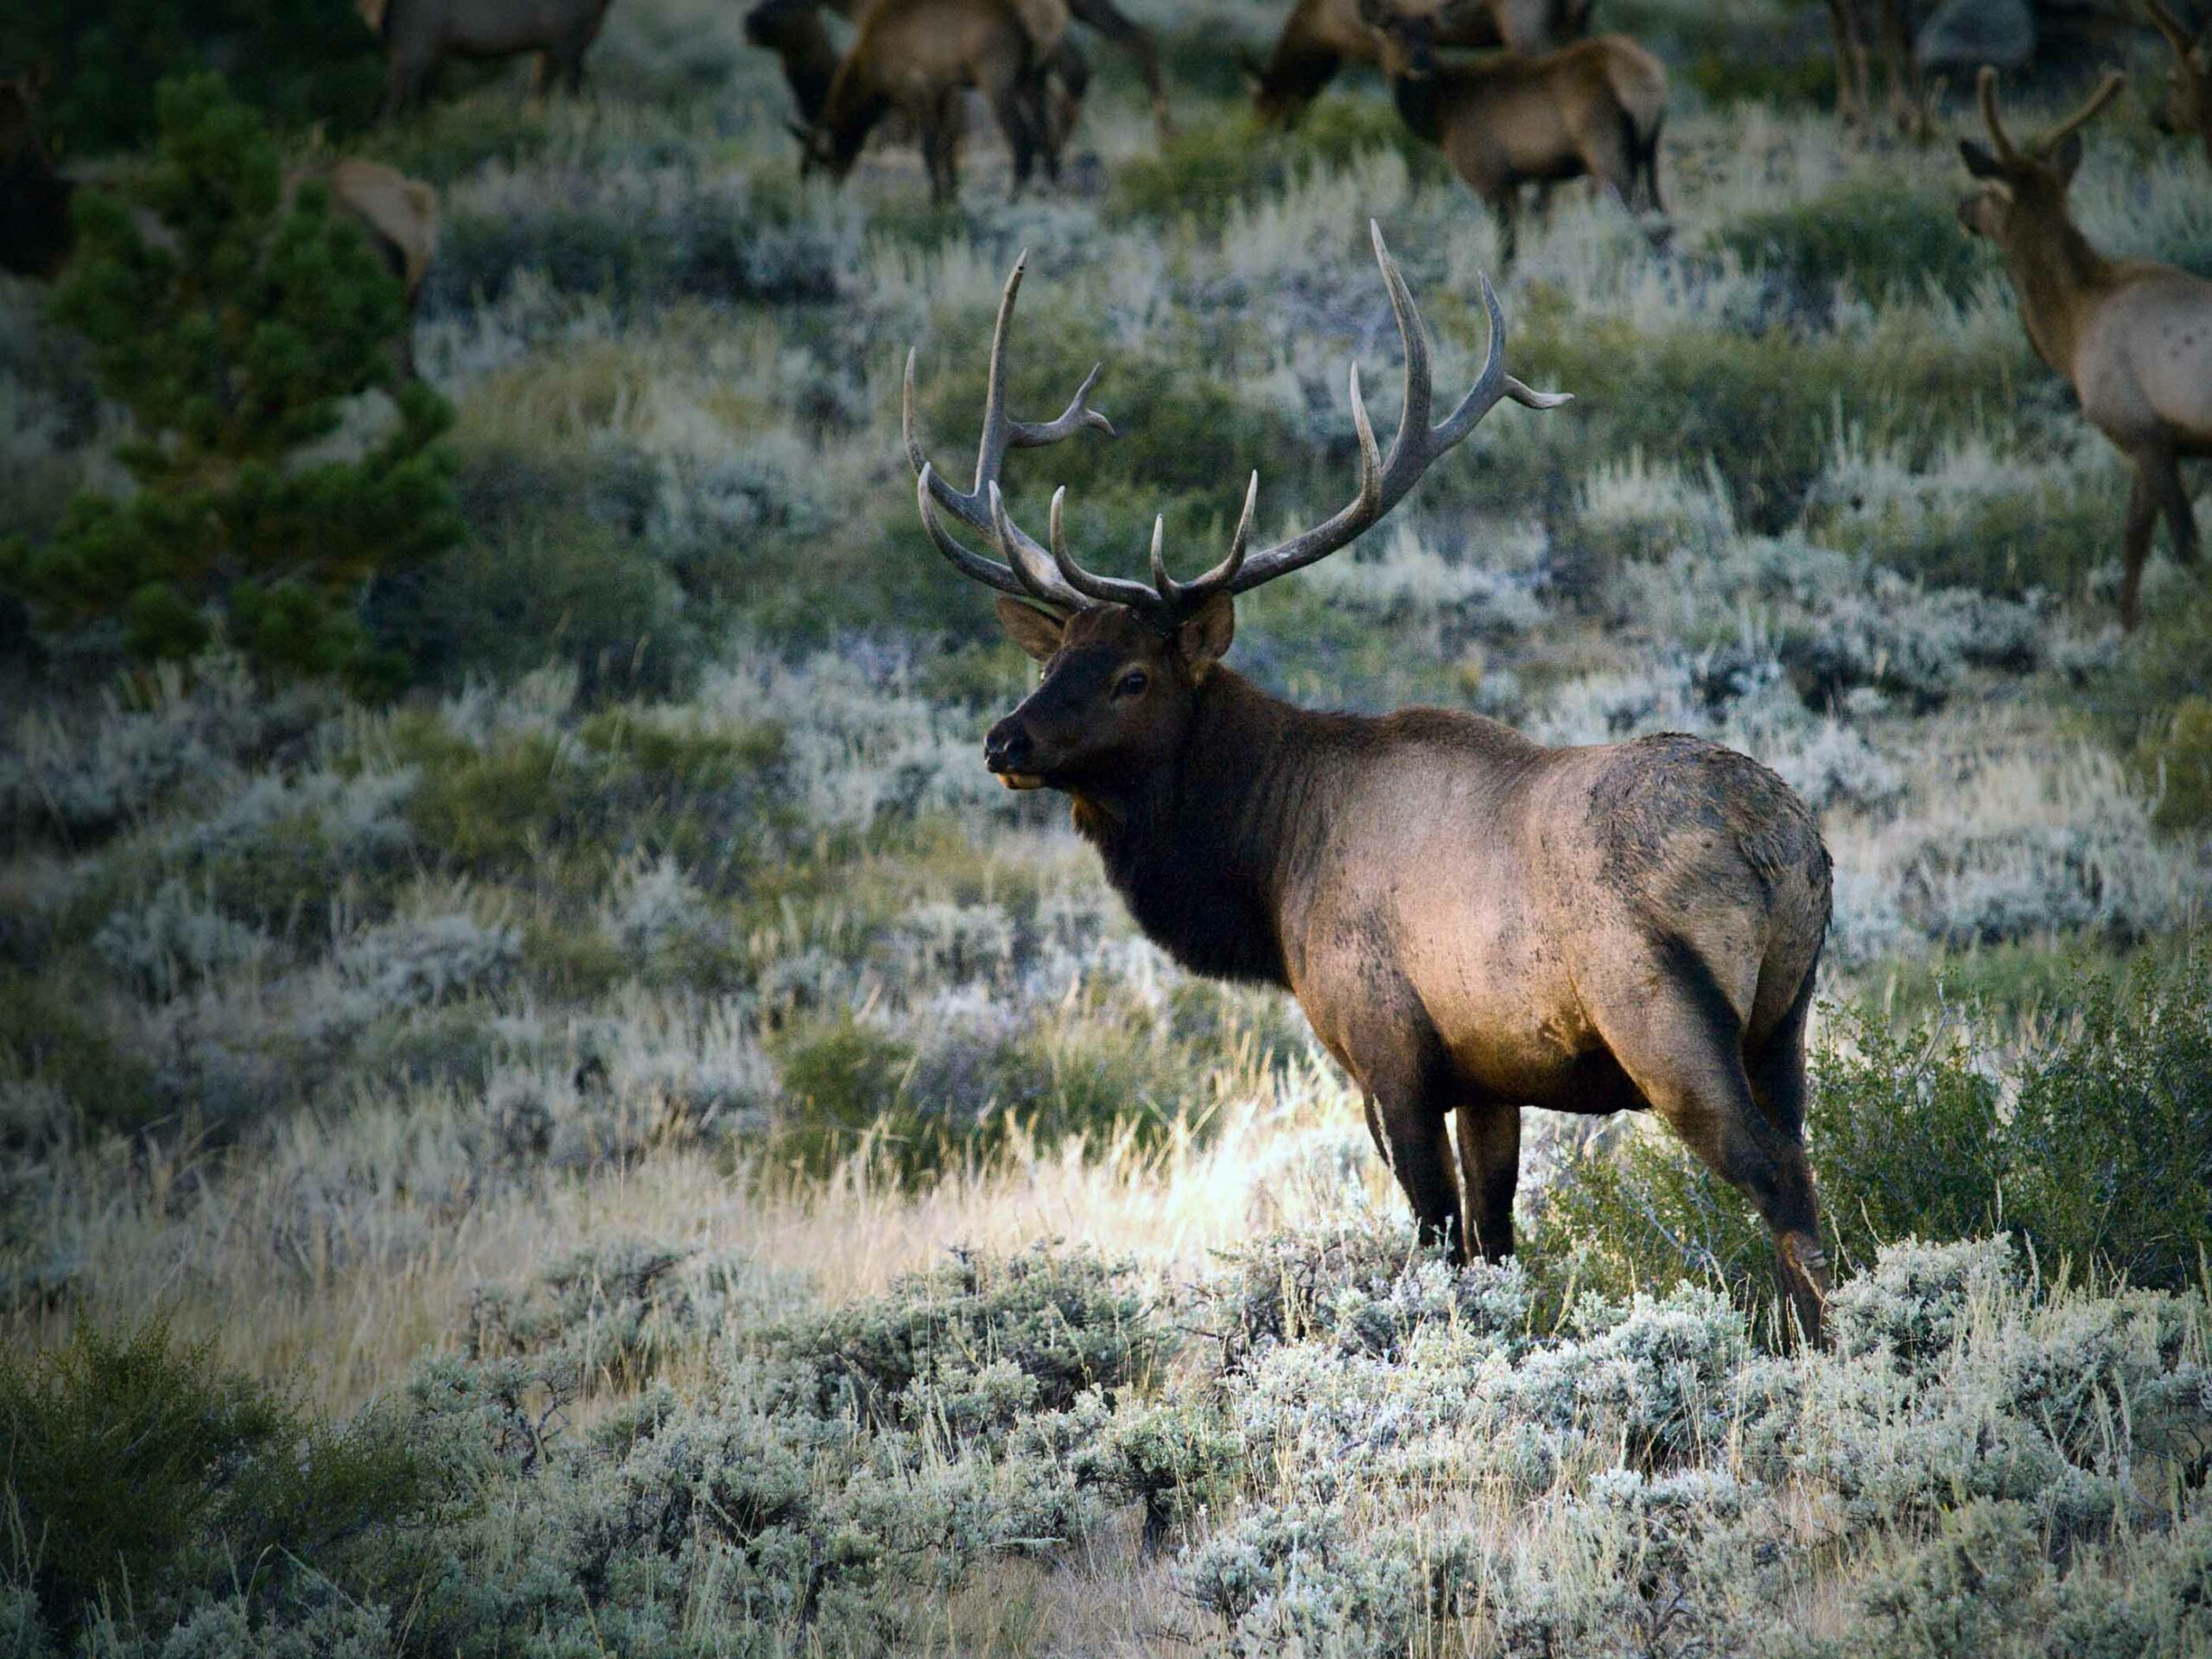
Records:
x=297, y=60
x=141, y=1475
x=233, y=337
x=2104, y=1159
x=2177, y=767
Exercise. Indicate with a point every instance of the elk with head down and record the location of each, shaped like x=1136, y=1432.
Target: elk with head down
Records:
x=919, y=59
x=2133, y=337
x=1591, y=109
x=1473, y=922
x=1319, y=36
x=2187, y=107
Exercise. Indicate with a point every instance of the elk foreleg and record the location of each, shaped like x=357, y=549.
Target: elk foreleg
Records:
x=1490, y=1171
x=1400, y=1071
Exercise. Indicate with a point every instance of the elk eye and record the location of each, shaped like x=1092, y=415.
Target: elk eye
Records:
x=1132, y=683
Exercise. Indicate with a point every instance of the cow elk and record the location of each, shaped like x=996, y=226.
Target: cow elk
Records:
x=419, y=35
x=399, y=215
x=1473, y=922
x=2132, y=337
x=1590, y=110
x=919, y=58
x=2187, y=110
x=1319, y=36
x=793, y=29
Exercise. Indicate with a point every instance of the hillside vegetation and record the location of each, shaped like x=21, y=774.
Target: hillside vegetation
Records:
x=612, y=1134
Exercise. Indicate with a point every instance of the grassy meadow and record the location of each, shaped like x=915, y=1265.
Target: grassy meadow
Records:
x=636, y=1145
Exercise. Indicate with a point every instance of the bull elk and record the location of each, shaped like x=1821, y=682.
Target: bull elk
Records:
x=793, y=30
x=2188, y=106
x=1472, y=921
x=419, y=35
x=399, y=215
x=918, y=58
x=1591, y=109
x=2133, y=337
x=1319, y=36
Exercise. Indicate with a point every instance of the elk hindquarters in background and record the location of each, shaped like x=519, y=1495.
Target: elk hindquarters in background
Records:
x=1591, y=109
x=2133, y=337
x=1473, y=922
x=919, y=58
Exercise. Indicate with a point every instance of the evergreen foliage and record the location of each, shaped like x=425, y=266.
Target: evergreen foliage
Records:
x=297, y=60
x=233, y=325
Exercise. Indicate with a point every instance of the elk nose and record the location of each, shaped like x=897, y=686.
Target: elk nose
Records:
x=1007, y=747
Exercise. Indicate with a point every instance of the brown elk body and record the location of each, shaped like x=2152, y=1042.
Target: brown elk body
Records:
x=1591, y=109
x=399, y=215
x=2186, y=108
x=1320, y=36
x=1472, y=921
x=419, y=35
x=2132, y=337
x=919, y=58
x=793, y=29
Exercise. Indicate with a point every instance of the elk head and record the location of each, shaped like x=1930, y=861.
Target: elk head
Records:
x=1404, y=42
x=2025, y=190
x=2188, y=106
x=1125, y=662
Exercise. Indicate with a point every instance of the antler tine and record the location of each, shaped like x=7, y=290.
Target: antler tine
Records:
x=967, y=561
x=1187, y=594
x=2170, y=26
x=1985, y=88
x=1107, y=590
x=2089, y=112
x=1383, y=484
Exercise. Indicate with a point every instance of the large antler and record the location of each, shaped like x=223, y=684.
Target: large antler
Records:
x=1986, y=89
x=1029, y=569
x=1055, y=578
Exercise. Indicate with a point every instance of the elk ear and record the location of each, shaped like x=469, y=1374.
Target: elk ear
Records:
x=1033, y=628
x=2067, y=157
x=1203, y=638
x=1979, y=162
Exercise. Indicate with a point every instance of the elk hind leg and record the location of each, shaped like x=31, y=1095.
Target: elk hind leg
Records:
x=2142, y=519
x=2173, y=499
x=1489, y=1170
x=1680, y=1044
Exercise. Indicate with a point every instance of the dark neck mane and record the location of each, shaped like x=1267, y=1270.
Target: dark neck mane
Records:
x=1204, y=854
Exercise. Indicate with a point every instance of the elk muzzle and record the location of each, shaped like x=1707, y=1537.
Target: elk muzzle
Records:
x=1008, y=750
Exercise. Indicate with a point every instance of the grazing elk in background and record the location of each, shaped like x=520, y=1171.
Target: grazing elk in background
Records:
x=1473, y=922
x=2133, y=337
x=2187, y=109
x=1320, y=36
x=793, y=30
x=399, y=215
x=1859, y=34
x=419, y=35
x=919, y=58
x=1592, y=109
